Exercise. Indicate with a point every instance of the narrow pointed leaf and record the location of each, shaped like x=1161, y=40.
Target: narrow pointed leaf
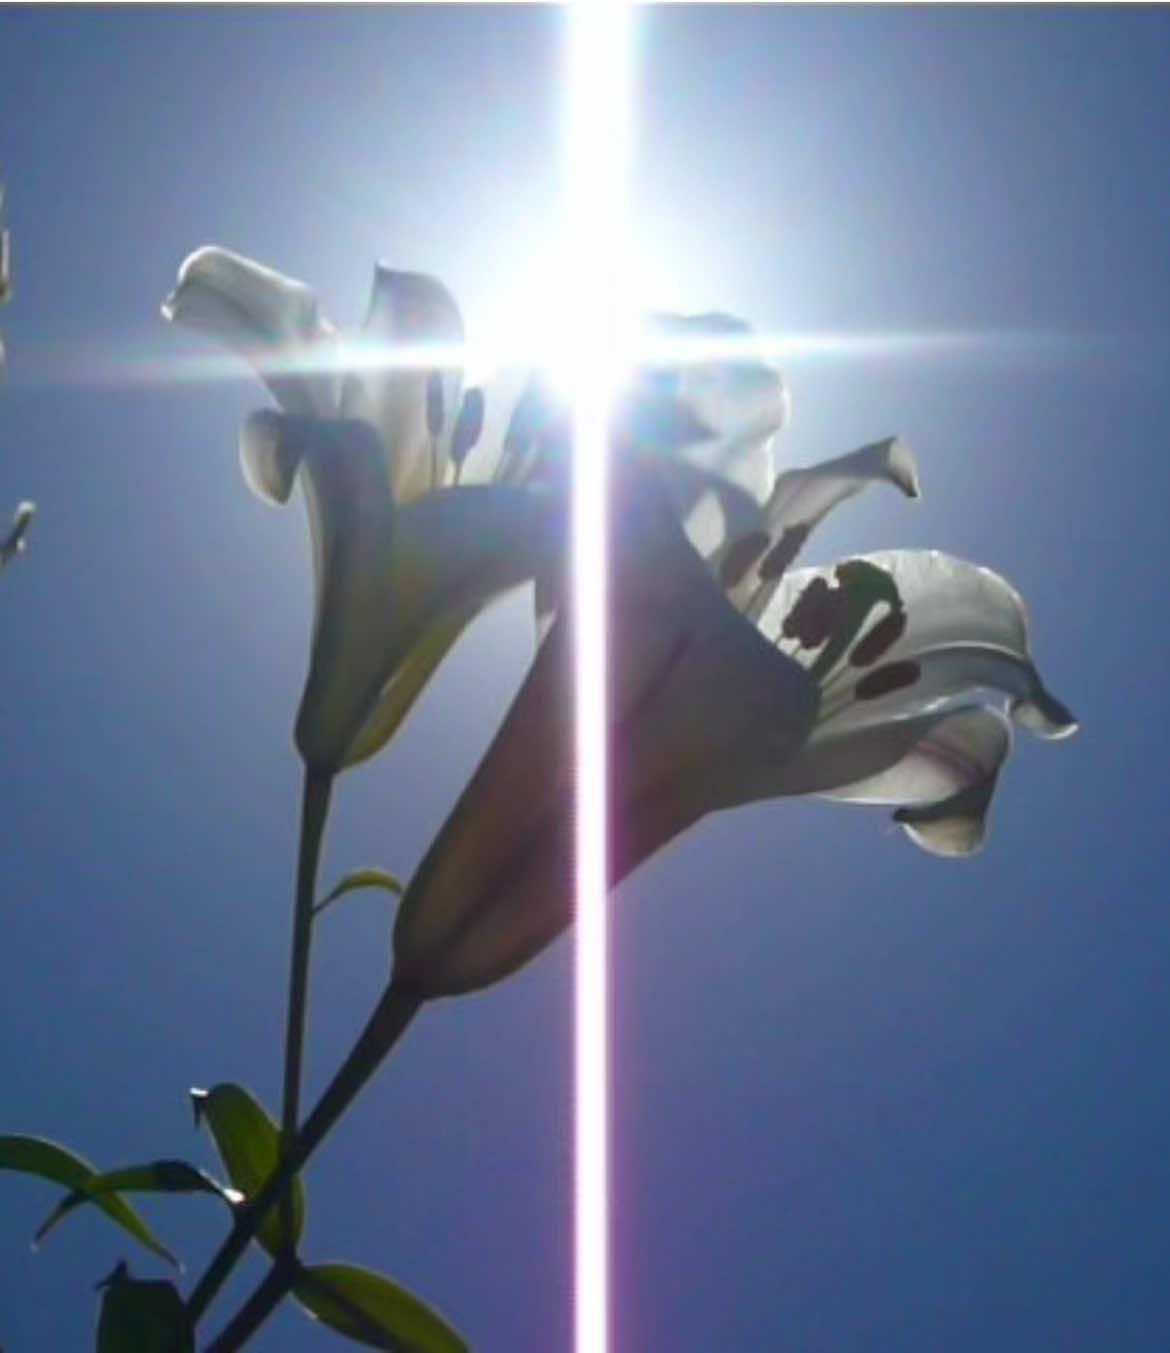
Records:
x=143, y=1317
x=158, y=1176
x=372, y=1310
x=361, y=878
x=249, y=1146
x=37, y=1156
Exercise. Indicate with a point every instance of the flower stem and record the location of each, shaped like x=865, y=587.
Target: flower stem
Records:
x=259, y=1306
x=314, y=811
x=391, y=1017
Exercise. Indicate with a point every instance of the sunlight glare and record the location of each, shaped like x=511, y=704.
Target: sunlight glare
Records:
x=598, y=93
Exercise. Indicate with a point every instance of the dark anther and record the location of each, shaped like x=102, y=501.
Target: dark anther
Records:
x=892, y=677
x=814, y=616
x=434, y=403
x=884, y=635
x=784, y=551
x=468, y=425
x=740, y=557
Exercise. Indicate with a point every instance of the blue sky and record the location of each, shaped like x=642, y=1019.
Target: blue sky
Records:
x=865, y=1099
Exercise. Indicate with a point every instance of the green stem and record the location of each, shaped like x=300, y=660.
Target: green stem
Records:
x=391, y=1017
x=259, y=1306
x=314, y=811
x=386, y=1025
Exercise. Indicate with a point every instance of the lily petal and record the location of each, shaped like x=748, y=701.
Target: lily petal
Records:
x=351, y=523
x=751, y=566
x=396, y=584
x=452, y=554
x=743, y=403
x=269, y=456
x=270, y=319
x=415, y=311
x=494, y=888
x=950, y=753
x=940, y=770
x=953, y=828
x=964, y=628
x=742, y=399
x=944, y=783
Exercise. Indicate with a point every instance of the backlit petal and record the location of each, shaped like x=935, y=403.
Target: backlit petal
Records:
x=415, y=312
x=965, y=630
x=395, y=584
x=716, y=480
x=351, y=520
x=453, y=553
x=751, y=566
x=270, y=319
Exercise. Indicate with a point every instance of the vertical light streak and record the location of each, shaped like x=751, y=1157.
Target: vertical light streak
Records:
x=598, y=93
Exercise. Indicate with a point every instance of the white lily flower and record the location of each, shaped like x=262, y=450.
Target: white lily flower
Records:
x=406, y=549
x=732, y=681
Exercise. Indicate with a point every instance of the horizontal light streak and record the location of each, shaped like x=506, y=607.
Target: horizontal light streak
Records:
x=141, y=364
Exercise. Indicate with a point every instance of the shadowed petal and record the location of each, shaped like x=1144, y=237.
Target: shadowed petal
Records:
x=939, y=770
x=269, y=455
x=944, y=783
x=951, y=753
x=692, y=685
x=956, y=827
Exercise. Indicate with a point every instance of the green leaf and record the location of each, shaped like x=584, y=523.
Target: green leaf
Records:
x=366, y=1307
x=138, y=1317
x=35, y=1155
x=360, y=878
x=159, y=1176
x=249, y=1146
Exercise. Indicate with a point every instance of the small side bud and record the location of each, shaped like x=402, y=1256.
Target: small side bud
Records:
x=14, y=543
x=5, y=267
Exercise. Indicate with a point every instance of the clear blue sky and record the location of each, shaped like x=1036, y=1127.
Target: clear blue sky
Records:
x=866, y=1099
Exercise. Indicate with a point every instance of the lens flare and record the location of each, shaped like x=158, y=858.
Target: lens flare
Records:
x=596, y=239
